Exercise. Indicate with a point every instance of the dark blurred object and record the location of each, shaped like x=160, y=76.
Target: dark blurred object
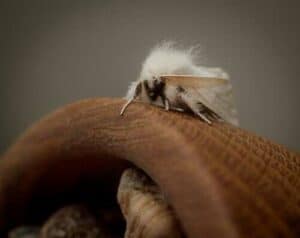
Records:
x=24, y=232
x=72, y=221
x=75, y=221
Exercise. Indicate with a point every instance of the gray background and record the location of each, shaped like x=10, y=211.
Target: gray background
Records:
x=56, y=52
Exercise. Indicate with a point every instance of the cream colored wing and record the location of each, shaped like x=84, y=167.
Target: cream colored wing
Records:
x=214, y=93
x=191, y=81
x=219, y=99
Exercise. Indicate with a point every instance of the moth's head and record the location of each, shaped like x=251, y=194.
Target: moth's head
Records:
x=152, y=89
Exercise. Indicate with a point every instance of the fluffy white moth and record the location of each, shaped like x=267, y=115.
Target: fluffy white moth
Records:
x=171, y=78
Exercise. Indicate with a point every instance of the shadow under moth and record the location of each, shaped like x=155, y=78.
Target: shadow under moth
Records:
x=171, y=78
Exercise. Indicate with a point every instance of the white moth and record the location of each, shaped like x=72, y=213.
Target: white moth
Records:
x=171, y=78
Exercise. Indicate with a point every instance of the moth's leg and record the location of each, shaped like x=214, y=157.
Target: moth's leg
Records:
x=165, y=100
x=193, y=105
x=166, y=104
x=178, y=109
x=168, y=107
x=203, y=117
x=209, y=113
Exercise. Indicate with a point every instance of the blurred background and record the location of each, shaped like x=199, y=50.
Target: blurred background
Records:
x=56, y=52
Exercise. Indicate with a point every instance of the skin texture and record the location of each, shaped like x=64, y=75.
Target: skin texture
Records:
x=147, y=213
x=221, y=181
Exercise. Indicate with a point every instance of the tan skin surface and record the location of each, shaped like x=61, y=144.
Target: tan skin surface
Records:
x=220, y=180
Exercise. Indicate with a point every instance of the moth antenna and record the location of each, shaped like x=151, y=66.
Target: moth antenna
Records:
x=126, y=105
x=137, y=92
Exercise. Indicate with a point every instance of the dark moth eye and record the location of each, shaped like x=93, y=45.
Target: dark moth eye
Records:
x=146, y=85
x=156, y=82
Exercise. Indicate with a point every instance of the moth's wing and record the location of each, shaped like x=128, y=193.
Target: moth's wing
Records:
x=219, y=99
x=214, y=93
x=191, y=81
